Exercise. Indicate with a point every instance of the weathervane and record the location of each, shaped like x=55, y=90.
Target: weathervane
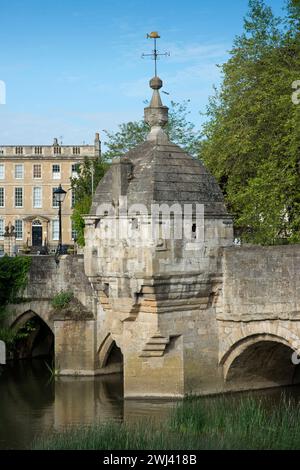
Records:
x=155, y=54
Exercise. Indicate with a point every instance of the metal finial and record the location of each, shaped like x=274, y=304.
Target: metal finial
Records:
x=155, y=54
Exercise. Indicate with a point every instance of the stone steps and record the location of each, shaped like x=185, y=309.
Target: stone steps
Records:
x=155, y=346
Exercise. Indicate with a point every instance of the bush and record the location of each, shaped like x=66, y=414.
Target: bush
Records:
x=62, y=299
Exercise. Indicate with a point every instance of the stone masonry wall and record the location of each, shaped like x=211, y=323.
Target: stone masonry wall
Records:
x=46, y=279
x=259, y=308
x=261, y=283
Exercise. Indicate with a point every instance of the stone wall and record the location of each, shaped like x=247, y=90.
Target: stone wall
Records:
x=74, y=329
x=261, y=283
x=46, y=279
x=258, y=316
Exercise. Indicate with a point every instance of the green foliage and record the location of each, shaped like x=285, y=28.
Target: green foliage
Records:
x=11, y=336
x=180, y=130
x=81, y=207
x=251, y=139
x=82, y=187
x=221, y=423
x=13, y=278
x=82, y=184
x=62, y=299
x=128, y=136
x=53, y=371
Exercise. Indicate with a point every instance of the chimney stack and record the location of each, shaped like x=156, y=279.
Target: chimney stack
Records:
x=97, y=145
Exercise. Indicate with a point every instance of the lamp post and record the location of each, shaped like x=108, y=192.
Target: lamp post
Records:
x=59, y=195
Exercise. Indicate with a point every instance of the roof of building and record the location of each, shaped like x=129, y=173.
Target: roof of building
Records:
x=158, y=171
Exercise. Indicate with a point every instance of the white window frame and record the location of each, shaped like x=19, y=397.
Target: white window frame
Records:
x=73, y=198
x=56, y=205
x=34, y=204
x=57, y=174
x=36, y=177
x=2, y=176
x=2, y=222
x=1, y=187
x=21, y=165
x=73, y=230
x=15, y=199
x=55, y=234
x=75, y=174
x=22, y=225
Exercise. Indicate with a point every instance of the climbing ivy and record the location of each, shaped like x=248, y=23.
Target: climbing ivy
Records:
x=13, y=278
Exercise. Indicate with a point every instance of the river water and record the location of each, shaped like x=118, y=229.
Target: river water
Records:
x=32, y=404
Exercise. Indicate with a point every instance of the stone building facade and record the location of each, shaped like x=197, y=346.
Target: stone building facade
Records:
x=28, y=176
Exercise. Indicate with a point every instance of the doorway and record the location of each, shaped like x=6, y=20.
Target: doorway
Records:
x=37, y=234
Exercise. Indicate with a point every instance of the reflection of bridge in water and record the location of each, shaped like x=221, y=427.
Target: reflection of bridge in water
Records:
x=31, y=404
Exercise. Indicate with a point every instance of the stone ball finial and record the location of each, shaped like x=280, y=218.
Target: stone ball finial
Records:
x=155, y=83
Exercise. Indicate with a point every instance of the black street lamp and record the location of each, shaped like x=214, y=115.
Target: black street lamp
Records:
x=59, y=196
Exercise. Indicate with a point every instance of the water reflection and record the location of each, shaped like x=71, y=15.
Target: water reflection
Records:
x=31, y=404
x=26, y=403
x=87, y=400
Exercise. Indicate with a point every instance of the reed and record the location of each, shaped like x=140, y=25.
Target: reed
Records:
x=222, y=423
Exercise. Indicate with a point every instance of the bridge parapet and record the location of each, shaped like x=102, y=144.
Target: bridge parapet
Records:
x=46, y=279
x=260, y=283
x=258, y=316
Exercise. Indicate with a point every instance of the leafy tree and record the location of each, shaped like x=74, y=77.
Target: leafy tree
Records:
x=128, y=136
x=251, y=140
x=180, y=130
x=293, y=18
x=84, y=184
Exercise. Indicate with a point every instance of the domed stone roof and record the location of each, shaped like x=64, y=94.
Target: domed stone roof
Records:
x=158, y=171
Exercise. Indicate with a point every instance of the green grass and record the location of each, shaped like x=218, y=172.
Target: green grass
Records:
x=62, y=299
x=222, y=423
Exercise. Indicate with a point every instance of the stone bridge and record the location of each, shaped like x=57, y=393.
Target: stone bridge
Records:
x=183, y=314
x=242, y=338
x=76, y=341
x=258, y=315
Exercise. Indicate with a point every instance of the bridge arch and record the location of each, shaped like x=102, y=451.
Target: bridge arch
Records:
x=110, y=356
x=261, y=360
x=39, y=339
x=20, y=313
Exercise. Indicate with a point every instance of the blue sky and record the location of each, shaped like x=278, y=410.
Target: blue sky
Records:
x=74, y=67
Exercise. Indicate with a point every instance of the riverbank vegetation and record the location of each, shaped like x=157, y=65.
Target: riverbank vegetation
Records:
x=195, y=423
